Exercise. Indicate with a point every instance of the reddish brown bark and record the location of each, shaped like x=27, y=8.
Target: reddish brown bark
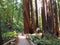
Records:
x=26, y=16
x=50, y=17
x=32, y=16
x=56, y=18
x=47, y=16
x=44, y=28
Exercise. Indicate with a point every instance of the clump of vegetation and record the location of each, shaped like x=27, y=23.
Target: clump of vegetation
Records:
x=48, y=39
x=9, y=35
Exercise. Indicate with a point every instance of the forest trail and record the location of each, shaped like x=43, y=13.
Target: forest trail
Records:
x=22, y=40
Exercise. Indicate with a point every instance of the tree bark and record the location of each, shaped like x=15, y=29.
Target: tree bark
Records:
x=26, y=16
x=44, y=26
x=56, y=18
x=36, y=13
x=50, y=18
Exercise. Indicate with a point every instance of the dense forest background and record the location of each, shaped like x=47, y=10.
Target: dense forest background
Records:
x=12, y=18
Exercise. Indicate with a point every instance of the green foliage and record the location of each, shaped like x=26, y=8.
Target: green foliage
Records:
x=46, y=40
x=49, y=36
x=7, y=35
x=18, y=28
x=11, y=13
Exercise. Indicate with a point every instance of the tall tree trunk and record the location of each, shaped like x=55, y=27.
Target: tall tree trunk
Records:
x=44, y=26
x=32, y=15
x=36, y=13
x=56, y=18
x=50, y=17
x=26, y=16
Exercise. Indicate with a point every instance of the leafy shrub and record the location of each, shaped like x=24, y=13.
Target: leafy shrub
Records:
x=45, y=40
x=48, y=36
x=8, y=35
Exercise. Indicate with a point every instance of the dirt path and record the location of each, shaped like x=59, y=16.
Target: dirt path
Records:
x=22, y=40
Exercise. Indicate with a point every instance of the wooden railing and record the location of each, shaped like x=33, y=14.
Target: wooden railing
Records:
x=30, y=41
x=10, y=42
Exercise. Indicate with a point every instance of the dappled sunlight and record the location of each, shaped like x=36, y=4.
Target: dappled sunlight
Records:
x=14, y=19
x=20, y=36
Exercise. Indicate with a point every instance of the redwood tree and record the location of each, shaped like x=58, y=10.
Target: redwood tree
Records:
x=36, y=13
x=56, y=17
x=26, y=16
x=44, y=25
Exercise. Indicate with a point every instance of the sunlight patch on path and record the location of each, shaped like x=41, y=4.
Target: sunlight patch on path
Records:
x=22, y=37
